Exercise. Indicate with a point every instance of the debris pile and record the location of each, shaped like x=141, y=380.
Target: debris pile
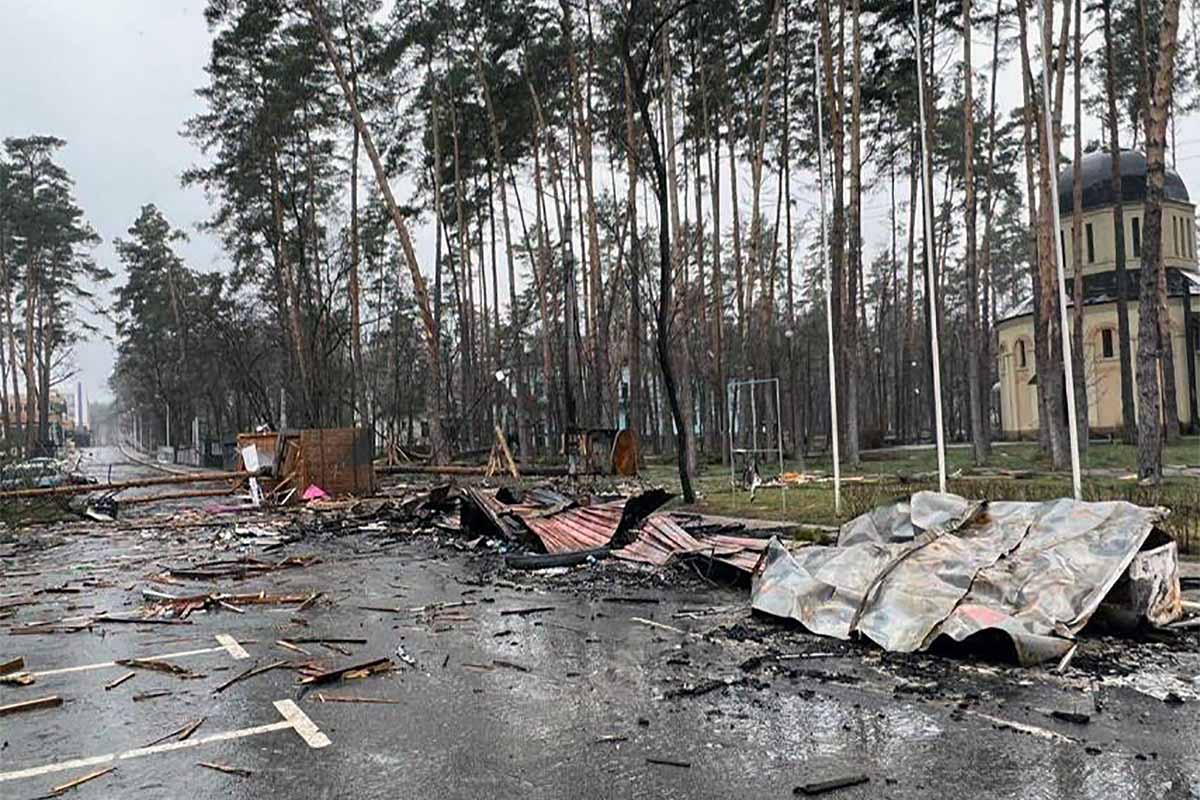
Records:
x=572, y=529
x=1022, y=575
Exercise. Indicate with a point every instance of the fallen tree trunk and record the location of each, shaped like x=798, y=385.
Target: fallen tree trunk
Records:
x=466, y=469
x=137, y=483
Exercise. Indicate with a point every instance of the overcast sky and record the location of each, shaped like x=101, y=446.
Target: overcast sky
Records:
x=117, y=78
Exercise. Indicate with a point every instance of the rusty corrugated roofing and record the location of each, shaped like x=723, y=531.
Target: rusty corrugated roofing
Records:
x=581, y=528
x=662, y=538
x=561, y=524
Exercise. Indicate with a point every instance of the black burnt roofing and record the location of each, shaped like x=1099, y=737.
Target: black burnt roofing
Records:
x=1102, y=288
x=1097, y=181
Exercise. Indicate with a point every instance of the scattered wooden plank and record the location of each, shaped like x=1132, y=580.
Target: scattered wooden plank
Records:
x=17, y=679
x=89, y=777
x=108, y=687
x=286, y=645
x=330, y=676
x=670, y=762
x=250, y=673
x=169, y=735
x=142, y=620
x=12, y=665
x=830, y=784
x=192, y=728
x=312, y=599
x=137, y=698
x=500, y=662
x=324, y=640
x=651, y=623
x=385, y=609
x=154, y=666
x=334, y=698
x=521, y=612
x=51, y=701
x=228, y=770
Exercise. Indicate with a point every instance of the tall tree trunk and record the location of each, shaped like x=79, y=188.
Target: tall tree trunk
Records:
x=431, y=334
x=360, y=404
x=739, y=287
x=678, y=257
x=291, y=285
x=834, y=103
x=468, y=428
x=756, y=172
x=1154, y=359
x=985, y=349
x=31, y=391
x=1053, y=375
x=665, y=303
x=851, y=358
x=908, y=384
x=603, y=401
x=1041, y=334
x=1078, y=366
x=542, y=275
x=7, y=358
x=717, y=297
x=1128, y=413
x=634, y=333
x=979, y=442
x=516, y=357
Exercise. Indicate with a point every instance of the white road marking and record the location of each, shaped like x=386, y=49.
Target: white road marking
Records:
x=304, y=726
x=294, y=718
x=227, y=644
x=235, y=650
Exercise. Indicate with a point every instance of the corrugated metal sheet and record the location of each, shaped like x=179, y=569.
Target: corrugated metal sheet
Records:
x=582, y=528
x=662, y=539
x=560, y=523
x=942, y=566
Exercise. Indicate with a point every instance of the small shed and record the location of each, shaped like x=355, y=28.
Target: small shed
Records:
x=335, y=460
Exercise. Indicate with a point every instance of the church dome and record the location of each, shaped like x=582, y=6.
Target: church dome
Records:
x=1097, y=181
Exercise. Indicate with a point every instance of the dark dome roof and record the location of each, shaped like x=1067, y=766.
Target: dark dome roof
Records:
x=1097, y=181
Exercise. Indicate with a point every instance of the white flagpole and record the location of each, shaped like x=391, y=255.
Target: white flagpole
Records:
x=833, y=403
x=927, y=191
x=1060, y=257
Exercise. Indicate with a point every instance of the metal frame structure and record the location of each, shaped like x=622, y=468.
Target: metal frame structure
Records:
x=731, y=393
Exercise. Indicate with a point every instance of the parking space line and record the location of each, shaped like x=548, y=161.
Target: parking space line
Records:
x=227, y=644
x=294, y=718
x=235, y=650
x=304, y=726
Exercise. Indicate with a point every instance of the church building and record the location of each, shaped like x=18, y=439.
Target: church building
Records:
x=1018, y=375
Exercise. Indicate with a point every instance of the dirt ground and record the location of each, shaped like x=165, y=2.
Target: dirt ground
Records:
x=604, y=680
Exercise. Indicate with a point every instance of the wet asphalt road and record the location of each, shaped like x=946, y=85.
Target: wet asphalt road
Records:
x=531, y=706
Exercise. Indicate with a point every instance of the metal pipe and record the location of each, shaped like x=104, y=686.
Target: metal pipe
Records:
x=825, y=269
x=927, y=191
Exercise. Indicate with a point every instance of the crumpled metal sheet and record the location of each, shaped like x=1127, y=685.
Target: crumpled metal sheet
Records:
x=662, y=539
x=938, y=565
x=561, y=523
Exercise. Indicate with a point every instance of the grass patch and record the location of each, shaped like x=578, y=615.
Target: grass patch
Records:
x=892, y=477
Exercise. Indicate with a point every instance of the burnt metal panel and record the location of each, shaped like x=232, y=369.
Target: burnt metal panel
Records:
x=1034, y=573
